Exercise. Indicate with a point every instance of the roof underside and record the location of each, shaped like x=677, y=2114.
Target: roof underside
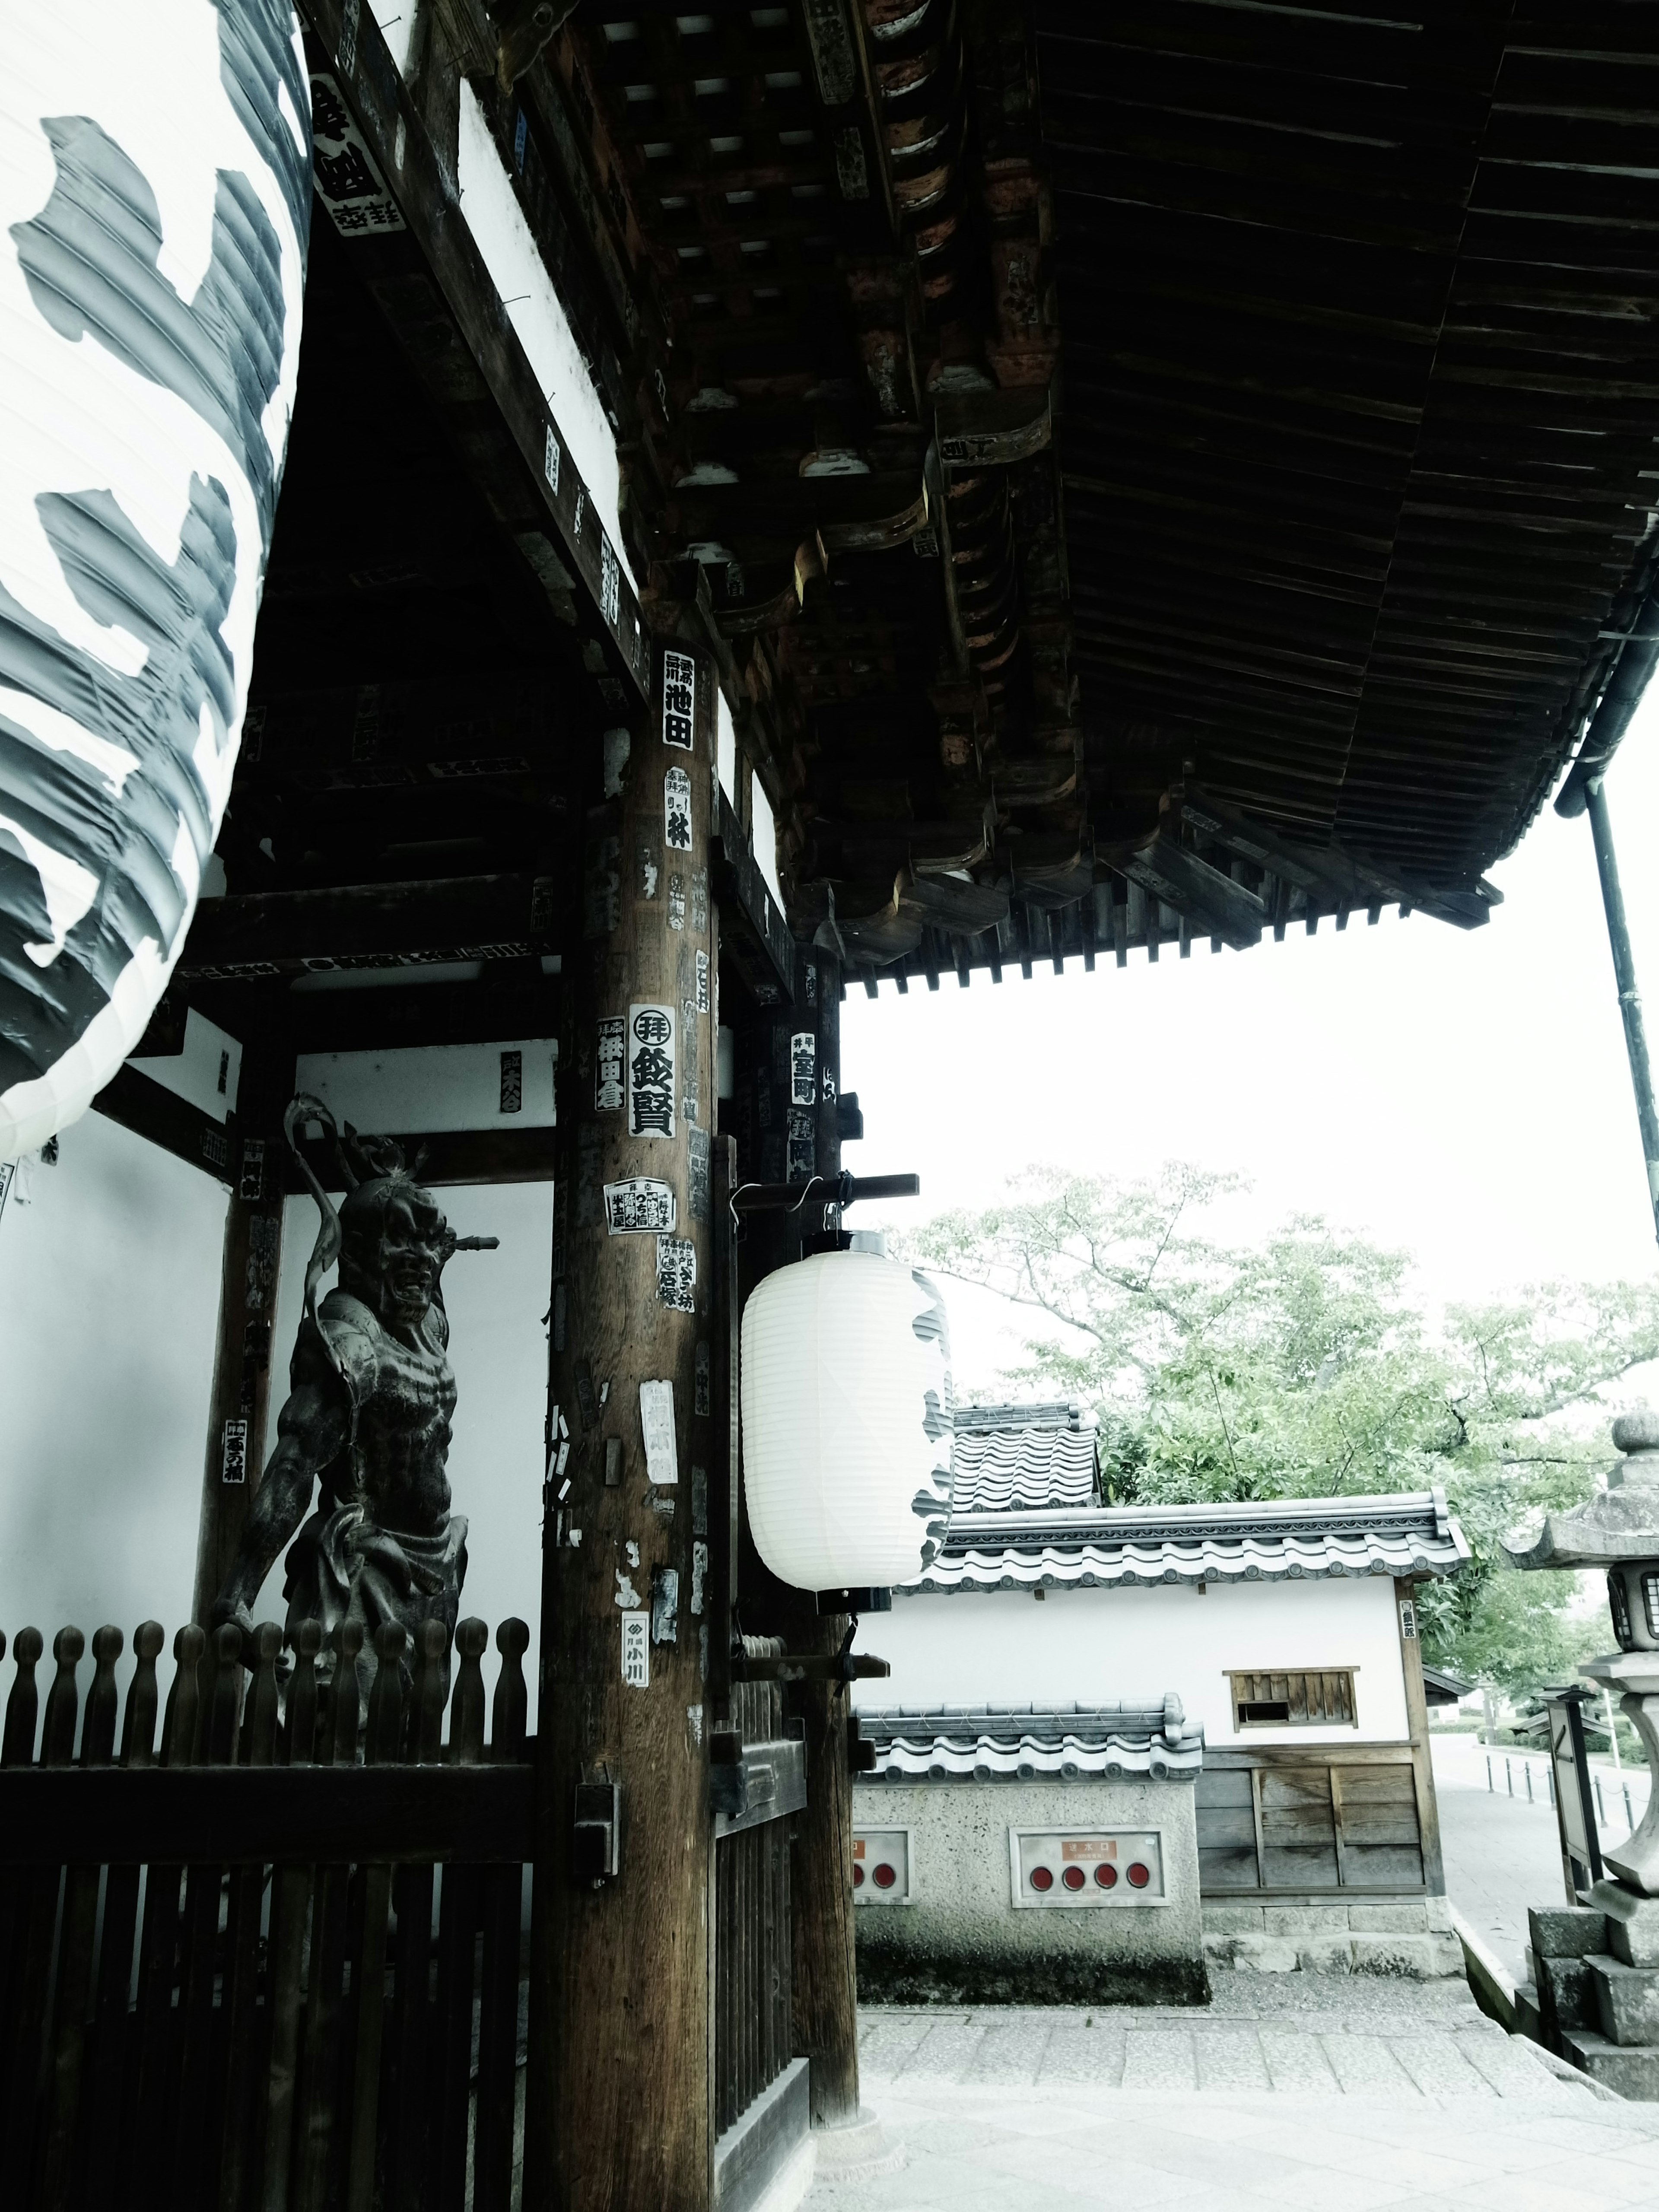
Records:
x=1360, y=394
x=1147, y=470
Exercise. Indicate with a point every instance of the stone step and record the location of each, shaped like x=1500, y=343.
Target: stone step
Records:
x=1527, y=2021
x=1565, y=1931
x=1566, y=1997
x=1629, y=2072
x=1626, y=2000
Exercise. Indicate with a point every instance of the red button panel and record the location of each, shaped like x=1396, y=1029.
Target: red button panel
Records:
x=882, y=1871
x=1083, y=1870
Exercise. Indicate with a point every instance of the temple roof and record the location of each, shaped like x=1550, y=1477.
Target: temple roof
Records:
x=1278, y=1540
x=1023, y=1458
x=1021, y=1743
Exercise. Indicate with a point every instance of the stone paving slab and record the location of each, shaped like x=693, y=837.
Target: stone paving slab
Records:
x=1335, y=2097
x=1063, y=2149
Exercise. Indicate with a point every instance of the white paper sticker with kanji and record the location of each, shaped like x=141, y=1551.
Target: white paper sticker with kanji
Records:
x=662, y=1461
x=679, y=699
x=676, y=810
x=650, y=1071
x=609, y=1064
x=676, y=1273
x=803, y=1068
x=349, y=183
x=636, y=1649
x=640, y=1207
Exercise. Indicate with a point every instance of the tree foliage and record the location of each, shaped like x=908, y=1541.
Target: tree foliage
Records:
x=1305, y=1365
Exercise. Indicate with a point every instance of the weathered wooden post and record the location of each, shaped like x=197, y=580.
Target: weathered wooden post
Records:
x=255, y=1166
x=825, y=1985
x=619, y=2104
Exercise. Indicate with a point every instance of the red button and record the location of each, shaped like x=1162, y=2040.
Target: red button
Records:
x=1073, y=1877
x=858, y=1877
x=1106, y=1875
x=1042, y=1877
x=886, y=1877
x=1140, y=1875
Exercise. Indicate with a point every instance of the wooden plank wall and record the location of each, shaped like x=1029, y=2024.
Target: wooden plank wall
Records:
x=1292, y=1822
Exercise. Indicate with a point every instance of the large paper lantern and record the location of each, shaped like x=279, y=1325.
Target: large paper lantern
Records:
x=847, y=1421
x=154, y=203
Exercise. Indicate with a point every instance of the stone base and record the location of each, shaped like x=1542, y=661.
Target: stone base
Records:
x=857, y=2151
x=1633, y=1922
x=991, y=1976
x=1626, y=2000
x=1632, y=2073
x=1412, y=1941
x=1566, y=1997
x=1527, y=2020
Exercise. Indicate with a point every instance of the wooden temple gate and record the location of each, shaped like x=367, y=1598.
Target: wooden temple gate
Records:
x=501, y=816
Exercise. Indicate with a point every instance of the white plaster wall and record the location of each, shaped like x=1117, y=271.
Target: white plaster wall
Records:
x=764, y=836
x=1004, y=1648
x=514, y=261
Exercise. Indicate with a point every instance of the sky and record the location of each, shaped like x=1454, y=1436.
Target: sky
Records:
x=1462, y=1095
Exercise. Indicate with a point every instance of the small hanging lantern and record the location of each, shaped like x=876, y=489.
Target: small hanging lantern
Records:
x=847, y=1421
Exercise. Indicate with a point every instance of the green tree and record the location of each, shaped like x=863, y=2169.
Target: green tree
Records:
x=1305, y=1365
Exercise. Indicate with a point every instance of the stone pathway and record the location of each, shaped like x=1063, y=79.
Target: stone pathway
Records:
x=1338, y=2096
x=1501, y=1852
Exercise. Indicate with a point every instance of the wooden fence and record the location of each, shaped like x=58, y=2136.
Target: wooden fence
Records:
x=297, y=1987
x=760, y=1780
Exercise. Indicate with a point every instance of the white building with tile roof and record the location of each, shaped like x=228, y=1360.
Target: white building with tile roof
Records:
x=1283, y=1632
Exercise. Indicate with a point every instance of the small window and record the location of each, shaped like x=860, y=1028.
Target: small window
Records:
x=1314, y=1697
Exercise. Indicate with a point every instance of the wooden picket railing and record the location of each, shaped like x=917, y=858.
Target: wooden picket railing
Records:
x=753, y=1943
x=272, y=1963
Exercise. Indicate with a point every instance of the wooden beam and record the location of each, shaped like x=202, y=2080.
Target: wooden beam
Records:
x=1222, y=908
x=459, y=339
x=274, y=1815
x=151, y=1110
x=460, y=1156
x=497, y=917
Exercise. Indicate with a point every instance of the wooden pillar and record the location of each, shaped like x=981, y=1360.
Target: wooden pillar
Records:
x=1417, y=1718
x=619, y=2093
x=825, y=1985
x=255, y=1164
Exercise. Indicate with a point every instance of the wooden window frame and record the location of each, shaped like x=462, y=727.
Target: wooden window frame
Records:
x=1239, y=1697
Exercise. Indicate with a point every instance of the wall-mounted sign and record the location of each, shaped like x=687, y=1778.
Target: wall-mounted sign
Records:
x=650, y=1071
x=679, y=699
x=640, y=1207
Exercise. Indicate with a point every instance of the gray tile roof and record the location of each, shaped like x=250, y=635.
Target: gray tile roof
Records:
x=1281, y=1540
x=1022, y=1743
x=1022, y=1458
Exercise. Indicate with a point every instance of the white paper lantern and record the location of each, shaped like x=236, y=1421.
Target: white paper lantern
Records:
x=847, y=1421
x=155, y=208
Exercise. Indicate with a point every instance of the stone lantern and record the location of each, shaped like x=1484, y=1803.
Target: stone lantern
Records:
x=1619, y=1532
x=1608, y=1975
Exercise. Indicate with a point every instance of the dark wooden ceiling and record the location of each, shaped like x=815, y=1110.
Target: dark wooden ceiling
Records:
x=1151, y=470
